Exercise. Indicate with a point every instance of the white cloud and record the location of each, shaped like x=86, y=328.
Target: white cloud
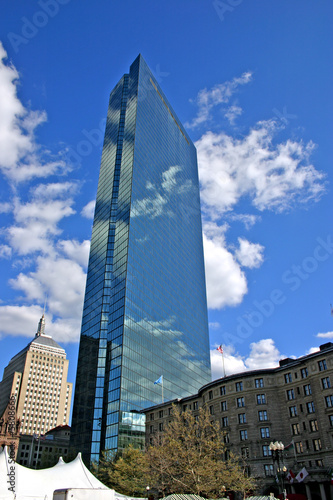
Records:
x=36, y=223
x=19, y=320
x=232, y=113
x=76, y=251
x=21, y=158
x=5, y=208
x=23, y=321
x=54, y=190
x=218, y=95
x=61, y=280
x=263, y=354
x=249, y=220
x=273, y=177
x=50, y=267
x=327, y=335
x=89, y=210
x=312, y=350
x=226, y=282
x=5, y=252
x=214, y=325
x=249, y=254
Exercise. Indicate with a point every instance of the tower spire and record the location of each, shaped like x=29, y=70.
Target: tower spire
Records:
x=41, y=326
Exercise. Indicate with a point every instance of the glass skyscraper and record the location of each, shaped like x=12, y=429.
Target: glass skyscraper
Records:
x=145, y=312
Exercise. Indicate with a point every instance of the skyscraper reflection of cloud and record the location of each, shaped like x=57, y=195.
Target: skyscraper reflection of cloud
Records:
x=145, y=312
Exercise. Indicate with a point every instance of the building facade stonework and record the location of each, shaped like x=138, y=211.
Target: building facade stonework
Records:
x=292, y=404
x=36, y=378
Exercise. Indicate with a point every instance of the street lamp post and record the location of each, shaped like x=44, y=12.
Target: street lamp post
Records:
x=147, y=488
x=277, y=455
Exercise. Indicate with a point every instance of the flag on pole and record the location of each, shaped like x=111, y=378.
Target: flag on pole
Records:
x=220, y=349
x=159, y=380
x=289, y=446
x=290, y=476
x=302, y=475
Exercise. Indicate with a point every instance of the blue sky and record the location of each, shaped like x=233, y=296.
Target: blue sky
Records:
x=252, y=83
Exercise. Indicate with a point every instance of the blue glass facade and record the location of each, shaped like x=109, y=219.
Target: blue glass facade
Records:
x=145, y=312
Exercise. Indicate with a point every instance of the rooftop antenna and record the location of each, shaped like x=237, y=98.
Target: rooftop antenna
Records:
x=41, y=324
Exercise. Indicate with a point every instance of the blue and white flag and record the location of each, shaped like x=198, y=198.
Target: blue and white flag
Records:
x=159, y=380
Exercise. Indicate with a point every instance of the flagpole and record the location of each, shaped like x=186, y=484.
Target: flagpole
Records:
x=294, y=451
x=162, y=389
x=220, y=349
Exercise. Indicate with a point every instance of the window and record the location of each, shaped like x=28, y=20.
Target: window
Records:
x=151, y=429
x=264, y=432
x=262, y=415
x=160, y=426
x=243, y=435
x=224, y=406
x=224, y=421
x=330, y=417
x=316, y=444
x=152, y=416
x=259, y=382
x=293, y=411
x=242, y=418
x=329, y=401
x=210, y=395
x=290, y=394
x=211, y=410
x=269, y=471
x=240, y=402
x=161, y=413
x=299, y=447
x=266, y=452
x=319, y=463
x=325, y=382
x=322, y=365
x=307, y=390
x=226, y=438
x=310, y=407
x=295, y=429
x=313, y=425
x=288, y=378
x=222, y=390
x=261, y=399
x=245, y=452
x=239, y=386
x=195, y=405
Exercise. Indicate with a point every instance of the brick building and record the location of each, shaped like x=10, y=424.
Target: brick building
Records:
x=292, y=404
x=41, y=452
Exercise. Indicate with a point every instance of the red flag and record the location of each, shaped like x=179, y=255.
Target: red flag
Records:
x=220, y=349
x=290, y=476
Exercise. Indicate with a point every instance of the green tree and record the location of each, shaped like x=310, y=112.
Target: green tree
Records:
x=126, y=472
x=190, y=457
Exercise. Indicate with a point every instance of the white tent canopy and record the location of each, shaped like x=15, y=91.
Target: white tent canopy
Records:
x=30, y=484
